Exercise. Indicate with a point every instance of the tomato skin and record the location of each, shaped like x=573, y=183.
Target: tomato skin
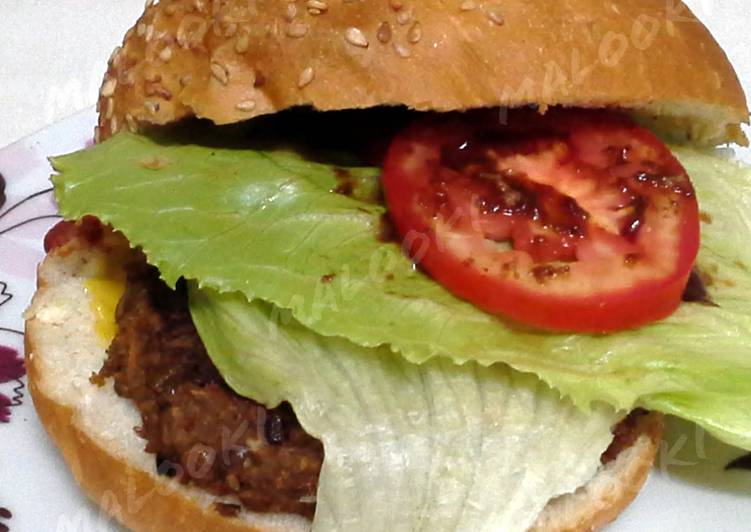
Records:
x=89, y=228
x=603, y=309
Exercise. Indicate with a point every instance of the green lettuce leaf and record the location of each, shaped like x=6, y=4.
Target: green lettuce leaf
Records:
x=267, y=225
x=407, y=447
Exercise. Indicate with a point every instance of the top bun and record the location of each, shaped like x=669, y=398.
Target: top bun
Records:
x=232, y=60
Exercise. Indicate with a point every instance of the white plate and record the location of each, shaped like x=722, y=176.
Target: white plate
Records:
x=689, y=490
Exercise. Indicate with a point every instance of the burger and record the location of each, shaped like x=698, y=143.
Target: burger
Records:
x=395, y=265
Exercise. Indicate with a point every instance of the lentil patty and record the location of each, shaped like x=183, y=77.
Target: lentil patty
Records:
x=199, y=429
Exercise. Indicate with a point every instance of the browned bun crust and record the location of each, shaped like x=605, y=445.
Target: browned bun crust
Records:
x=127, y=494
x=233, y=60
x=600, y=501
x=93, y=426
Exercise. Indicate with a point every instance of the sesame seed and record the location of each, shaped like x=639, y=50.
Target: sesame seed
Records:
x=291, y=12
x=316, y=7
x=468, y=5
x=246, y=106
x=191, y=31
x=403, y=17
x=219, y=72
x=306, y=76
x=401, y=50
x=415, y=33
x=115, y=55
x=717, y=80
x=166, y=54
x=185, y=80
x=108, y=88
x=670, y=27
x=494, y=15
x=128, y=78
x=151, y=106
x=140, y=29
x=149, y=32
x=113, y=124
x=130, y=121
x=149, y=3
x=242, y=43
x=297, y=29
x=252, y=75
x=356, y=37
x=110, y=108
x=157, y=89
x=384, y=32
x=396, y=5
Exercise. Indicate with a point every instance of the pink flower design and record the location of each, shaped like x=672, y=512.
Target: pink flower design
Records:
x=11, y=369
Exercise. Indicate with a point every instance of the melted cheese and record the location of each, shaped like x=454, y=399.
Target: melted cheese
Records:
x=105, y=291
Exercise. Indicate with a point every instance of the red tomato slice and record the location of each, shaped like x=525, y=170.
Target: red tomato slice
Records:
x=572, y=221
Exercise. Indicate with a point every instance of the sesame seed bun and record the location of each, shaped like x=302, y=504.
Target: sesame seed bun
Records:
x=93, y=426
x=231, y=61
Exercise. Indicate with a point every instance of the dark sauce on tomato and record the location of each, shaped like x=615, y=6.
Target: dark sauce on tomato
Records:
x=664, y=181
x=546, y=272
x=619, y=155
x=513, y=194
x=504, y=192
x=634, y=222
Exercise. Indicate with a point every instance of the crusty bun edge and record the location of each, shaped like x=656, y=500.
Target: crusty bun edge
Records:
x=232, y=61
x=616, y=485
x=135, y=498
x=93, y=427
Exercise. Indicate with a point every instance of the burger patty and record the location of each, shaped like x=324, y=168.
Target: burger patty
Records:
x=198, y=429
x=201, y=431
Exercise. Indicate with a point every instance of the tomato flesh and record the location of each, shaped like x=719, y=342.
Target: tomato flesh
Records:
x=572, y=221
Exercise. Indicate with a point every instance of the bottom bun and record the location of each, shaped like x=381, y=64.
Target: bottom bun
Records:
x=94, y=427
